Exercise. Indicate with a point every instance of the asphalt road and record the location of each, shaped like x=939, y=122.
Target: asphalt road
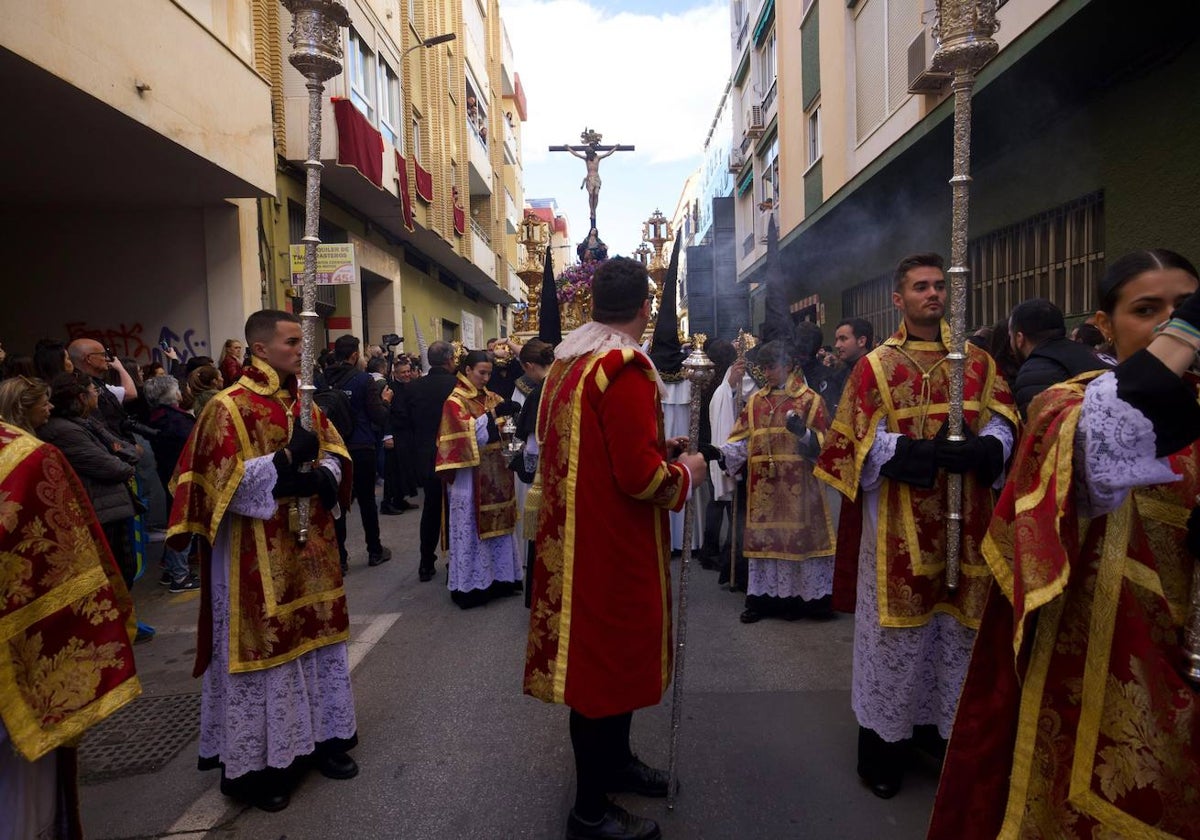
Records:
x=450, y=748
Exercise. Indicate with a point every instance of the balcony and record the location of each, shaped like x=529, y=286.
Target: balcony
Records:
x=742, y=32
x=481, y=250
x=512, y=146
x=480, y=169
x=512, y=215
x=506, y=63
x=769, y=100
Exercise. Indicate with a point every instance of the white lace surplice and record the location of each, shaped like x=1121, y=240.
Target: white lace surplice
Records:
x=905, y=676
x=29, y=802
x=476, y=563
x=268, y=718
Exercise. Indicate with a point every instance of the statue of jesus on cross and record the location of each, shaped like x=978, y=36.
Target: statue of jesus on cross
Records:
x=591, y=153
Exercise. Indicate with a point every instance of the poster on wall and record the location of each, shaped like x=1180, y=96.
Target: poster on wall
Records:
x=470, y=336
x=335, y=264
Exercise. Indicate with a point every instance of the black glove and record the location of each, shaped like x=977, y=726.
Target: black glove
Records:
x=1189, y=310
x=1165, y=399
x=914, y=463
x=712, y=453
x=1193, y=530
x=508, y=408
x=796, y=425
x=983, y=456
x=304, y=447
x=517, y=465
x=493, y=431
x=293, y=483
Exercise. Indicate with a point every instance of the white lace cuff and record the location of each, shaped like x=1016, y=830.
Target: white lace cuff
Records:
x=883, y=449
x=1114, y=450
x=481, y=434
x=253, y=495
x=735, y=454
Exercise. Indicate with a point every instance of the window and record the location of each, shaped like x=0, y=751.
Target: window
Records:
x=389, y=106
x=767, y=68
x=476, y=111
x=417, y=151
x=883, y=29
x=412, y=12
x=360, y=71
x=814, y=136
x=769, y=183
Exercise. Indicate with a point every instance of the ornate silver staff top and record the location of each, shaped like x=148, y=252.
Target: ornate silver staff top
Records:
x=317, y=40
x=963, y=30
x=698, y=368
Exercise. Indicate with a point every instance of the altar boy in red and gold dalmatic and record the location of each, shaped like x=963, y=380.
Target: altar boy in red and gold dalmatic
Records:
x=789, y=536
x=887, y=456
x=600, y=625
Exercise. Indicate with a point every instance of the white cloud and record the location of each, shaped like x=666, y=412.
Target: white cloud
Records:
x=650, y=80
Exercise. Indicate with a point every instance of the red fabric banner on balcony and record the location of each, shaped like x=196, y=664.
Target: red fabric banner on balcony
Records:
x=360, y=144
x=405, y=195
x=460, y=221
x=424, y=183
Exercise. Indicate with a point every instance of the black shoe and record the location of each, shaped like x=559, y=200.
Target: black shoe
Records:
x=616, y=824
x=750, y=616
x=405, y=504
x=820, y=610
x=374, y=558
x=388, y=509
x=640, y=778
x=271, y=800
x=337, y=766
x=426, y=573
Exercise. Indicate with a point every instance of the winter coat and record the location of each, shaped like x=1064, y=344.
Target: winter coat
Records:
x=1050, y=363
x=104, y=474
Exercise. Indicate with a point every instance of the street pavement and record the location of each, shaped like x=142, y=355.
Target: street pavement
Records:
x=450, y=748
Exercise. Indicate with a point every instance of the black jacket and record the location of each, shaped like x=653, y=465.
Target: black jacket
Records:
x=425, y=398
x=1051, y=362
x=174, y=425
x=104, y=473
x=366, y=403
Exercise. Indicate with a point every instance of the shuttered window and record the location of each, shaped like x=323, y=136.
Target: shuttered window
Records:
x=883, y=30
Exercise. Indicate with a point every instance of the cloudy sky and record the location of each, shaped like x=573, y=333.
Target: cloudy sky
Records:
x=651, y=79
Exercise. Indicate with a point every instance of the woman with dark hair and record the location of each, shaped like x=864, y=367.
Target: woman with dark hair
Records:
x=482, y=508
x=1094, y=546
x=999, y=347
x=204, y=383
x=104, y=463
x=50, y=358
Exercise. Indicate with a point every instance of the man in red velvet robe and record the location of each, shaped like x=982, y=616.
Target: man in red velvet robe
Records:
x=600, y=626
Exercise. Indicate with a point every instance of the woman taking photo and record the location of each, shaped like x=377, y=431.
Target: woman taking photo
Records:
x=482, y=509
x=1093, y=545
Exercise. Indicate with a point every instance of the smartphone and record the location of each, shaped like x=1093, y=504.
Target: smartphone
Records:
x=166, y=345
x=108, y=354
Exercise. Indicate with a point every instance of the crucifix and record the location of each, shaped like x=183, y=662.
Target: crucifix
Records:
x=591, y=153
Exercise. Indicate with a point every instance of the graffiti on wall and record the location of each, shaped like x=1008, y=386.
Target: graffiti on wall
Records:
x=130, y=340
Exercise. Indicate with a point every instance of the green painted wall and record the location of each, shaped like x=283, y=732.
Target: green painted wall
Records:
x=810, y=57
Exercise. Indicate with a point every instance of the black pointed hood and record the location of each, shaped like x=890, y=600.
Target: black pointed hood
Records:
x=549, y=318
x=777, y=323
x=665, y=351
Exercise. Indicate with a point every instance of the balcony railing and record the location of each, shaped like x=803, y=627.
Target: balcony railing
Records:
x=742, y=31
x=481, y=233
x=769, y=99
x=747, y=244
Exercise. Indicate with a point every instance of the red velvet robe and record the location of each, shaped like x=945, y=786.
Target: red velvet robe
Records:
x=458, y=447
x=285, y=598
x=1091, y=731
x=906, y=383
x=66, y=618
x=600, y=626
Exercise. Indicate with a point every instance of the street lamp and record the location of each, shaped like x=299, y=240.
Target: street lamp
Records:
x=429, y=42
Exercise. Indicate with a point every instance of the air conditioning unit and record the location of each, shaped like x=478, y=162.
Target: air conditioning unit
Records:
x=921, y=79
x=754, y=121
x=736, y=161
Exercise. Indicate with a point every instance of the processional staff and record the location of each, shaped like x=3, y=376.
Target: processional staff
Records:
x=316, y=37
x=744, y=342
x=963, y=30
x=698, y=368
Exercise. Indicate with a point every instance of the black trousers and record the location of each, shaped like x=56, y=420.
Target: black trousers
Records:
x=364, y=495
x=601, y=748
x=431, y=520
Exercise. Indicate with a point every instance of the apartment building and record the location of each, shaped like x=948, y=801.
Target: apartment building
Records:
x=1083, y=147
x=138, y=143
x=422, y=170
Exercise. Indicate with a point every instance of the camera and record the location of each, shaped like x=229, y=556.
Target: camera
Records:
x=392, y=340
x=130, y=426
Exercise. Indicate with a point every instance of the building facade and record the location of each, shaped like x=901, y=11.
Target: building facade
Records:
x=131, y=191
x=1083, y=148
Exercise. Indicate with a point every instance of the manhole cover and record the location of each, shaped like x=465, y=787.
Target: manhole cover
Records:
x=141, y=738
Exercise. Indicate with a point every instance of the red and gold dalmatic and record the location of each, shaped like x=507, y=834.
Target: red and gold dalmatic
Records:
x=65, y=615
x=457, y=447
x=600, y=626
x=906, y=383
x=285, y=598
x=786, y=514
x=1094, y=733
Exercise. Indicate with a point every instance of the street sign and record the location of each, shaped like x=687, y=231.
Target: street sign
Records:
x=335, y=264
